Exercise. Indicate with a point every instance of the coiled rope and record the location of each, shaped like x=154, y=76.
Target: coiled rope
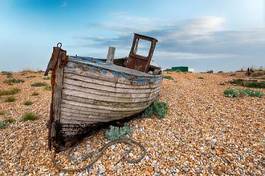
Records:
x=96, y=155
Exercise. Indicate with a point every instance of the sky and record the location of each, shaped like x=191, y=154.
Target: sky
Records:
x=202, y=34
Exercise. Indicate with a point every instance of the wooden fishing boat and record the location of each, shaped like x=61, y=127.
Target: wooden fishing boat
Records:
x=88, y=91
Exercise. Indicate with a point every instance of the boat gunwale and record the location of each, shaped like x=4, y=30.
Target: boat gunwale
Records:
x=73, y=76
x=107, y=66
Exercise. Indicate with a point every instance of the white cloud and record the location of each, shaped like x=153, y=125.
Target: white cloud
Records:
x=205, y=25
x=195, y=29
x=200, y=39
x=187, y=55
x=123, y=23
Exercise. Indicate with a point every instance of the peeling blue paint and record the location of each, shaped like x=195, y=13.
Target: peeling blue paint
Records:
x=134, y=80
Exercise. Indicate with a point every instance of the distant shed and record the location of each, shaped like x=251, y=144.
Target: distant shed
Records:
x=179, y=69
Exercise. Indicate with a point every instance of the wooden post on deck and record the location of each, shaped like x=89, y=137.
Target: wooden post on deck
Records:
x=110, y=56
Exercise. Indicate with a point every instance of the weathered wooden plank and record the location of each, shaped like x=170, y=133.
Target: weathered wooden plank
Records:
x=106, y=88
x=100, y=111
x=78, y=96
x=102, y=107
x=110, y=103
x=110, y=83
x=70, y=116
x=85, y=113
x=110, y=94
x=78, y=120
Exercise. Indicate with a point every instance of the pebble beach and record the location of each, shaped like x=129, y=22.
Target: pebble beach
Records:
x=203, y=133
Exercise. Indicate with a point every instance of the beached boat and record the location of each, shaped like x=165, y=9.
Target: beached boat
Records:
x=88, y=91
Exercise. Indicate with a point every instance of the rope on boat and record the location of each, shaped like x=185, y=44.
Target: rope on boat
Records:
x=96, y=155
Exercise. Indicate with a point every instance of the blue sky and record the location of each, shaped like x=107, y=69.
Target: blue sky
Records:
x=202, y=34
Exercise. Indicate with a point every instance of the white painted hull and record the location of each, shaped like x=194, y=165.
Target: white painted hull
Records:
x=93, y=94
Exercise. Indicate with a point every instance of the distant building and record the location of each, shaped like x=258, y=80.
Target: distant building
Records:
x=179, y=69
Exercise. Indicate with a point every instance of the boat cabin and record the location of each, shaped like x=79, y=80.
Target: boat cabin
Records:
x=140, y=58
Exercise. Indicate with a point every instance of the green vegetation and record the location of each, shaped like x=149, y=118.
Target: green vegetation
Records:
x=11, y=81
x=48, y=88
x=114, y=133
x=5, y=123
x=255, y=84
x=31, y=76
x=12, y=91
x=10, y=120
x=28, y=102
x=2, y=112
x=35, y=94
x=232, y=92
x=168, y=77
x=2, y=125
x=10, y=99
x=158, y=108
x=46, y=78
x=8, y=74
x=39, y=84
x=246, y=83
x=29, y=116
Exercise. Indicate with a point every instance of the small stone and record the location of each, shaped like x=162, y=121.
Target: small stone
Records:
x=101, y=170
x=156, y=174
x=213, y=143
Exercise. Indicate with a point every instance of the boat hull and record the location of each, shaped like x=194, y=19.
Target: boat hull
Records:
x=94, y=93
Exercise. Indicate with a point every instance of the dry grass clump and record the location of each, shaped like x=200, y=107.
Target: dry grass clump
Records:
x=28, y=102
x=29, y=116
x=39, y=84
x=8, y=74
x=31, y=76
x=10, y=99
x=248, y=83
x=258, y=73
x=11, y=91
x=35, y=94
x=11, y=81
x=168, y=77
x=46, y=78
x=48, y=88
x=2, y=112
